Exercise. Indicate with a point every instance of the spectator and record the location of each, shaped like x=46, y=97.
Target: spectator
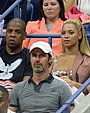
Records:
x=5, y=4
x=79, y=3
x=14, y=59
x=78, y=11
x=74, y=64
x=41, y=93
x=68, y=4
x=85, y=3
x=4, y=100
x=51, y=22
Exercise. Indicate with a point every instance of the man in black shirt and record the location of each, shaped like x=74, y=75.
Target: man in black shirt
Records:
x=15, y=65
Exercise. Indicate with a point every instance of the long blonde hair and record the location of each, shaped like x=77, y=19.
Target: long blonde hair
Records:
x=83, y=44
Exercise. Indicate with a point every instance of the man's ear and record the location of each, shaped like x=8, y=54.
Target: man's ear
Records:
x=7, y=103
x=25, y=35
x=50, y=61
x=51, y=64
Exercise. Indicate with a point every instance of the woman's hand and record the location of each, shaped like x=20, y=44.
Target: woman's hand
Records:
x=67, y=79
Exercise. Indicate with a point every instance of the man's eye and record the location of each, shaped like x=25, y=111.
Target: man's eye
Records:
x=1, y=100
x=18, y=31
x=9, y=30
x=42, y=55
x=34, y=55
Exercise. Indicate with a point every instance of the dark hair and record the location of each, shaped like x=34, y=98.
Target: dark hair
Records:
x=5, y=91
x=61, y=14
x=18, y=20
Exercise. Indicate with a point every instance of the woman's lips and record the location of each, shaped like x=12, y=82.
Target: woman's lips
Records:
x=66, y=41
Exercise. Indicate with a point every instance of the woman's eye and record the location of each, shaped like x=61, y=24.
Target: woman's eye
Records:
x=71, y=32
x=53, y=4
x=62, y=33
x=45, y=4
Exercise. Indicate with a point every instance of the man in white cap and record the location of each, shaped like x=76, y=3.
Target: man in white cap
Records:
x=42, y=93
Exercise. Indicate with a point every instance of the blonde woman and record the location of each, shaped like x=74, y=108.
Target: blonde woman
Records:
x=73, y=65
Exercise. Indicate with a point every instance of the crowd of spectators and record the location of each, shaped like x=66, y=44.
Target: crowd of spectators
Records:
x=21, y=60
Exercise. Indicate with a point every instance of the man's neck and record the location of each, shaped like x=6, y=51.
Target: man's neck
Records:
x=38, y=77
x=13, y=51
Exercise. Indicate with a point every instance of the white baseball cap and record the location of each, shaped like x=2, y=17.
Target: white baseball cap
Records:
x=44, y=46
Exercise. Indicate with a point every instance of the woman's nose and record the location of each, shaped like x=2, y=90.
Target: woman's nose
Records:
x=49, y=6
x=66, y=35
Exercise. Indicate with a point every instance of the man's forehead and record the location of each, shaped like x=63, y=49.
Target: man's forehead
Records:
x=13, y=27
x=37, y=50
x=15, y=24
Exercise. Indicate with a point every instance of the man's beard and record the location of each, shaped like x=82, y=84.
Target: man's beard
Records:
x=38, y=69
x=13, y=47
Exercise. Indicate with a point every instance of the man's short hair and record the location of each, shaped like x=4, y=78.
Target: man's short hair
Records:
x=4, y=90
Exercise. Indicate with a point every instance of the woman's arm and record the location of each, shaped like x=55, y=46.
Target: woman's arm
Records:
x=75, y=84
x=68, y=4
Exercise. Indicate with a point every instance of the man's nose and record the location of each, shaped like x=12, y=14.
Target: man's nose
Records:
x=37, y=58
x=12, y=34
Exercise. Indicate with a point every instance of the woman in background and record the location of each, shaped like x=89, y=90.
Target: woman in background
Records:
x=51, y=21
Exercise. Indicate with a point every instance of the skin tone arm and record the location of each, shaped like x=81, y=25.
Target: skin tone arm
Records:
x=26, y=77
x=76, y=84
x=68, y=4
x=14, y=109
x=88, y=21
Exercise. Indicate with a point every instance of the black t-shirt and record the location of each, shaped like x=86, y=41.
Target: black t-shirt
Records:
x=14, y=67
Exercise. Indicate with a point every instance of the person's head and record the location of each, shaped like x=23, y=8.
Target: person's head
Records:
x=4, y=99
x=40, y=56
x=52, y=9
x=15, y=34
x=73, y=35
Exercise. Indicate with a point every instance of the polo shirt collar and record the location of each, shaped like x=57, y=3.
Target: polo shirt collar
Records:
x=49, y=79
